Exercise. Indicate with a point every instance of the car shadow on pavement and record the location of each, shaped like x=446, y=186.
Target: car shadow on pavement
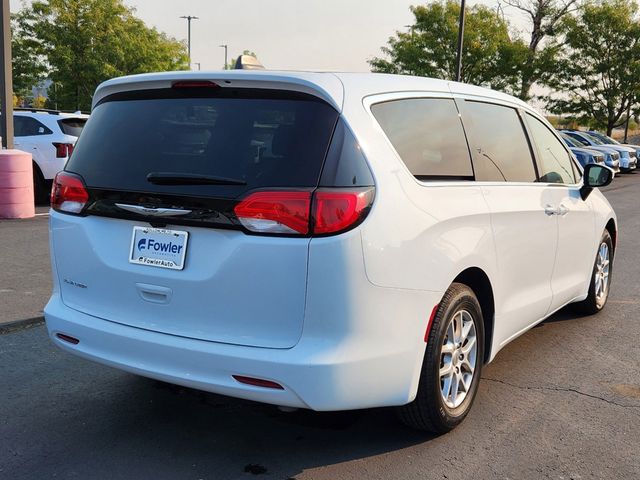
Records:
x=231, y=437
x=565, y=314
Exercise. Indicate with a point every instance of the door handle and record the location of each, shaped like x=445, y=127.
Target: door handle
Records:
x=549, y=210
x=562, y=210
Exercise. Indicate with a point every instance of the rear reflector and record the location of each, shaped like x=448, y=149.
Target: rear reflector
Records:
x=257, y=382
x=68, y=338
x=430, y=322
x=68, y=194
x=275, y=212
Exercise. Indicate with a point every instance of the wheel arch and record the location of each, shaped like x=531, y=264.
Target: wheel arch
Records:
x=477, y=280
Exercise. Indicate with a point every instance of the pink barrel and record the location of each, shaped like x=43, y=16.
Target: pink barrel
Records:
x=16, y=184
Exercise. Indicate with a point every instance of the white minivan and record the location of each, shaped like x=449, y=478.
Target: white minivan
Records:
x=318, y=240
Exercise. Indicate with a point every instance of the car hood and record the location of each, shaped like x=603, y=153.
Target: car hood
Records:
x=605, y=148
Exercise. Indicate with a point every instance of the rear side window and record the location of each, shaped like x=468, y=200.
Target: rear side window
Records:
x=427, y=134
x=498, y=142
x=27, y=127
x=260, y=138
x=72, y=126
x=554, y=162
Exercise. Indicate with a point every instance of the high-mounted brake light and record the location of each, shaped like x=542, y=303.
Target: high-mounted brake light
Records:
x=327, y=211
x=194, y=84
x=68, y=194
x=281, y=212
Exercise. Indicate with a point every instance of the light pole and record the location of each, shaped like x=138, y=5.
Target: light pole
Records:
x=460, y=40
x=225, y=46
x=6, y=77
x=189, y=18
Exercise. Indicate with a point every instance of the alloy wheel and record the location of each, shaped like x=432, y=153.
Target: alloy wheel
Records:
x=601, y=275
x=458, y=357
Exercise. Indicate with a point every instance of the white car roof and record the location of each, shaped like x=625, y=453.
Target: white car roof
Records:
x=329, y=86
x=49, y=118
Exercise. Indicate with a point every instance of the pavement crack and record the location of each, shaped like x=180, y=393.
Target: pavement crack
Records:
x=560, y=389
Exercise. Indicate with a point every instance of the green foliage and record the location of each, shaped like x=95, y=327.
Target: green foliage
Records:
x=598, y=69
x=29, y=65
x=86, y=42
x=490, y=56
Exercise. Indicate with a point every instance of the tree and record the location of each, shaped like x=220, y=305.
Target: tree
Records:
x=29, y=65
x=490, y=57
x=598, y=69
x=544, y=16
x=88, y=41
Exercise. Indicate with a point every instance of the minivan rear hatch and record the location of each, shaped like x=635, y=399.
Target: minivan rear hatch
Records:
x=164, y=169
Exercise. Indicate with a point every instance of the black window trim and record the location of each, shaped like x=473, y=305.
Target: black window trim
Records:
x=423, y=180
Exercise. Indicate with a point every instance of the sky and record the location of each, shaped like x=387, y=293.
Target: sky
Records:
x=339, y=35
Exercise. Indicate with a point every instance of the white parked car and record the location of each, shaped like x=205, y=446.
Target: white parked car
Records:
x=49, y=136
x=317, y=240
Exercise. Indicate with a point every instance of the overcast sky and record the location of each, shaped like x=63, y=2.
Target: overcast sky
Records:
x=285, y=34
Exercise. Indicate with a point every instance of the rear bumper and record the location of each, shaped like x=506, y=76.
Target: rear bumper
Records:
x=315, y=374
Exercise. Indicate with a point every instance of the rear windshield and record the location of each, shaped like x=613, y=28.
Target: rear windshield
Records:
x=72, y=126
x=258, y=137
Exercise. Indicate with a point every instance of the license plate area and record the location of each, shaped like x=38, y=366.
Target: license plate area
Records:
x=158, y=247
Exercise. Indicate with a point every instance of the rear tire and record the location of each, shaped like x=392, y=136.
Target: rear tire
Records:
x=449, y=363
x=40, y=190
x=600, y=278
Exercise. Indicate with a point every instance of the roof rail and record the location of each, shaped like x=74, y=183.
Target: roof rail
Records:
x=47, y=110
x=35, y=110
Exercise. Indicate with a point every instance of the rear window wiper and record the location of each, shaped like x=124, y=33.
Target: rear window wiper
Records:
x=172, y=178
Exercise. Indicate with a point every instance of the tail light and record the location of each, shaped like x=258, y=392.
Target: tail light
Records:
x=68, y=194
x=336, y=210
x=63, y=150
x=275, y=212
x=326, y=211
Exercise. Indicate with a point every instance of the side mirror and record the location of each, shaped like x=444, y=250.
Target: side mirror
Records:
x=595, y=175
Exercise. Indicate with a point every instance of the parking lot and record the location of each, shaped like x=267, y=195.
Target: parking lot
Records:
x=560, y=402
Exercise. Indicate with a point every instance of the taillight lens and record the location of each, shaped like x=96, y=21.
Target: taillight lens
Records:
x=327, y=211
x=68, y=194
x=275, y=212
x=335, y=210
x=63, y=150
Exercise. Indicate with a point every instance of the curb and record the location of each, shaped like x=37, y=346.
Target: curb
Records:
x=16, y=325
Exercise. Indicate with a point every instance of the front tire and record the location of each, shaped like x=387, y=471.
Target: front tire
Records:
x=600, y=278
x=452, y=364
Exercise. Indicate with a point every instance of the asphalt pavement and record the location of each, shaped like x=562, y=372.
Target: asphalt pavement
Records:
x=25, y=279
x=560, y=402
